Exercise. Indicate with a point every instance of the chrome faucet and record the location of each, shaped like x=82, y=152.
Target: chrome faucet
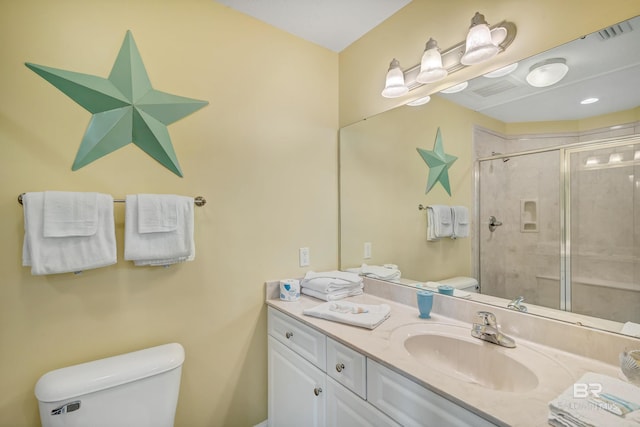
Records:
x=486, y=328
x=517, y=305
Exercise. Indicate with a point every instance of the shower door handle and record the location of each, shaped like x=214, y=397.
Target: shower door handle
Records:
x=493, y=223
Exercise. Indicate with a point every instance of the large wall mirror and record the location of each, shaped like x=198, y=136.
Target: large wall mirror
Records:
x=562, y=177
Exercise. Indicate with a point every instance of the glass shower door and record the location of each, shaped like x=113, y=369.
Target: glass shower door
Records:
x=604, y=231
x=520, y=257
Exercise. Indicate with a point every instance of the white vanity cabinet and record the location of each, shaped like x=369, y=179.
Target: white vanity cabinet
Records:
x=315, y=381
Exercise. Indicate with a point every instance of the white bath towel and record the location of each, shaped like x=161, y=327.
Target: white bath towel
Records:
x=334, y=295
x=329, y=281
x=161, y=247
x=460, y=219
x=69, y=253
x=439, y=222
x=362, y=315
x=68, y=213
x=597, y=400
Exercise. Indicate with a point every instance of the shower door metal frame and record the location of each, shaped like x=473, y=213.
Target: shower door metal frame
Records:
x=564, y=152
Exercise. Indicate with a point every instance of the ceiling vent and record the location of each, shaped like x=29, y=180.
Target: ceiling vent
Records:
x=615, y=30
x=494, y=89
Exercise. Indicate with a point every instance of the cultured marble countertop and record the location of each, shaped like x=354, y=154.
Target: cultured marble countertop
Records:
x=528, y=408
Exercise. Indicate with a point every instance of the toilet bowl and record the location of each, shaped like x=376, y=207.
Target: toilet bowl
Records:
x=135, y=389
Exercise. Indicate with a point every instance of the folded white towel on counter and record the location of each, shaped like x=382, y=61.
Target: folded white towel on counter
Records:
x=68, y=213
x=362, y=315
x=380, y=272
x=338, y=294
x=460, y=220
x=439, y=222
x=329, y=281
x=69, y=248
x=598, y=400
x=160, y=247
x=630, y=328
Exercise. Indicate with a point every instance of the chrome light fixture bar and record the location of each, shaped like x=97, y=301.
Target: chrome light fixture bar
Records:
x=461, y=55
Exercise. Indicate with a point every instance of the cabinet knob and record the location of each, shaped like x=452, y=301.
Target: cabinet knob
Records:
x=288, y=335
x=317, y=391
x=339, y=367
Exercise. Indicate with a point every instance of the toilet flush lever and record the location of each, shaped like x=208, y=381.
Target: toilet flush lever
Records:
x=67, y=407
x=493, y=223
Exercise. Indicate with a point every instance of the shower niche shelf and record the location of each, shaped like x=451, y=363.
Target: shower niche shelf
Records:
x=528, y=215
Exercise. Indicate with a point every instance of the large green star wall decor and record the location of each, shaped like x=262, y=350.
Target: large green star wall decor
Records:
x=439, y=164
x=125, y=108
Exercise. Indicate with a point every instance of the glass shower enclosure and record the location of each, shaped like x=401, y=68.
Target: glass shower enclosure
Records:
x=560, y=226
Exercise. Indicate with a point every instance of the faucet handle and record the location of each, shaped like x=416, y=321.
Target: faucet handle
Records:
x=486, y=318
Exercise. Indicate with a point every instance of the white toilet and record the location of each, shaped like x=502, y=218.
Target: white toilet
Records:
x=138, y=389
x=466, y=284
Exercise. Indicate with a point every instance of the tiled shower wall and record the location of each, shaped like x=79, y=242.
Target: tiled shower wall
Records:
x=518, y=259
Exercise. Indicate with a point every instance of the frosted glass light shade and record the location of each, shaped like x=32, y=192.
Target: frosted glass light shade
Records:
x=419, y=101
x=457, y=88
x=547, y=73
x=394, y=86
x=431, y=69
x=479, y=46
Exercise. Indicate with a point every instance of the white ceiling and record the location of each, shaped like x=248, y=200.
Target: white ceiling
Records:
x=334, y=24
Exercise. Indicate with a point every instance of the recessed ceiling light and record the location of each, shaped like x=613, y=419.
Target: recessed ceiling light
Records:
x=548, y=72
x=419, y=101
x=589, y=101
x=500, y=72
x=455, y=89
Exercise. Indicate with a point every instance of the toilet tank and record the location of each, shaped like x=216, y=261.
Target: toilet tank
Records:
x=138, y=389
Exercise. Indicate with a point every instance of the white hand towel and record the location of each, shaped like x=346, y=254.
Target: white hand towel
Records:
x=52, y=255
x=631, y=328
x=160, y=248
x=157, y=213
x=439, y=222
x=379, y=272
x=600, y=400
x=460, y=219
x=334, y=295
x=362, y=315
x=69, y=213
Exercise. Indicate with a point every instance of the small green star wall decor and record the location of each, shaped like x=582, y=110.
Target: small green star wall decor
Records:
x=439, y=164
x=125, y=108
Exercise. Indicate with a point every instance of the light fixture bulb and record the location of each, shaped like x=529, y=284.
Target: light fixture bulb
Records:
x=501, y=72
x=456, y=88
x=615, y=158
x=592, y=161
x=419, y=101
x=636, y=155
x=431, y=69
x=394, y=86
x=479, y=46
x=548, y=72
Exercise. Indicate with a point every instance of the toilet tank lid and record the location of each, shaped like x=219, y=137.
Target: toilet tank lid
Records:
x=102, y=374
x=460, y=282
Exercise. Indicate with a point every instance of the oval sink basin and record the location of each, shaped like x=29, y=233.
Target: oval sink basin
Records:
x=452, y=350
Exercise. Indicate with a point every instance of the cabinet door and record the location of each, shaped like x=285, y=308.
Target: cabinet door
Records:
x=348, y=367
x=296, y=389
x=412, y=405
x=345, y=409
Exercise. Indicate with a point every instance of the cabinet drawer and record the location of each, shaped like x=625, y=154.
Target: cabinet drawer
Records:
x=302, y=339
x=410, y=404
x=348, y=367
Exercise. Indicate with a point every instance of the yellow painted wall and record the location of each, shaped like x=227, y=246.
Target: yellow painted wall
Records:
x=541, y=25
x=263, y=153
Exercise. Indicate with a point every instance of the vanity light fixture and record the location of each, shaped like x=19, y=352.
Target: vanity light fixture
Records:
x=636, y=155
x=394, y=86
x=482, y=43
x=455, y=89
x=547, y=72
x=501, y=72
x=419, y=101
x=615, y=157
x=431, y=69
x=592, y=161
x=588, y=101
